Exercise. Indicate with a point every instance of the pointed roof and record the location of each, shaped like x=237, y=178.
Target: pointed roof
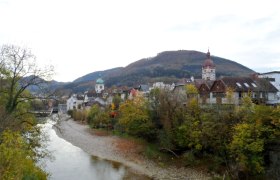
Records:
x=208, y=62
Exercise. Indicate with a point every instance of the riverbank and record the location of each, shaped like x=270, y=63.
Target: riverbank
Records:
x=108, y=147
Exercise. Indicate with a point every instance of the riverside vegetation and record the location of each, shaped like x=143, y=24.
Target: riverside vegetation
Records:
x=226, y=139
x=20, y=138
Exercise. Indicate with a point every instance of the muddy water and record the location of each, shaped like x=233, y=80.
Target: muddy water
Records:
x=72, y=163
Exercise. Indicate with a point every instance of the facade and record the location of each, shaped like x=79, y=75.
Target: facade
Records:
x=208, y=69
x=274, y=78
x=74, y=102
x=161, y=85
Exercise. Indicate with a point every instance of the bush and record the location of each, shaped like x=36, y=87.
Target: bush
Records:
x=98, y=118
x=190, y=159
x=80, y=115
x=70, y=113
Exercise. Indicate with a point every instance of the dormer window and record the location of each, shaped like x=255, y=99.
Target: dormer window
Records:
x=238, y=84
x=247, y=85
x=253, y=84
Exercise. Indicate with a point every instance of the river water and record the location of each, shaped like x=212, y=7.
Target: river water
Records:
x=72, y=163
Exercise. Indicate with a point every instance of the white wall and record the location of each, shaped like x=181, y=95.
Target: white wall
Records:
x=272, y=96
x=208, y=73
x=73, y=102
x=276, y=83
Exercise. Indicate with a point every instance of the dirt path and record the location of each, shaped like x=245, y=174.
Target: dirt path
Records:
x=108, y=147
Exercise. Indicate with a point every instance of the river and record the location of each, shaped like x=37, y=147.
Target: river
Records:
x=71, y=163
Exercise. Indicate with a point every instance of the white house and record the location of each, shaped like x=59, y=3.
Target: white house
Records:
x=161, y=85
x=74, y=102
x=274, y=78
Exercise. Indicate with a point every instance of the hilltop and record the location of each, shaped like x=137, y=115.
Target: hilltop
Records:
x=167, y=66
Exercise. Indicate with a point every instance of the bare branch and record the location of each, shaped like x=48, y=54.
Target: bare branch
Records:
x=21, y=72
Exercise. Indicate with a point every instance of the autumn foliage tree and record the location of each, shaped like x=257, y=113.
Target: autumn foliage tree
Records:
x=16, y=158
x=18, y=71
x=231, y=140
x=251, y=137
x=135, y=119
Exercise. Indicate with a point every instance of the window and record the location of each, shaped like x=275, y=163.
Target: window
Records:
x=238, y=84
x=246, y=84
x=253, y=84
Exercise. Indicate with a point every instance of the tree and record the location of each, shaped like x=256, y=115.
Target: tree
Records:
x=166, y=112
x=19, y=137
x=16, y=158
x=191, y=91
x=251, y=137
x=18, y=71
x=230, y=95
x=116, y=101
x=135, y=119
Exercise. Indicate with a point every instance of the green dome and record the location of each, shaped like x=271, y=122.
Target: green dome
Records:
x=99, y=81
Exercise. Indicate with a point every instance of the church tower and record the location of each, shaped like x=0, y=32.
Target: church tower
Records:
x=99, y=85
x=208, y=69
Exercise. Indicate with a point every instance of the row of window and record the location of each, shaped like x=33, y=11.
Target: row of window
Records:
x=246, y=84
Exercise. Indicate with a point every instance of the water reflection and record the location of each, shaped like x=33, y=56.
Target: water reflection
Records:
x=71, y=162
x=106, y=169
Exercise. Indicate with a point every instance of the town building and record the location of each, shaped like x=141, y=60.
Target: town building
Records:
x=215, y=91
x=274, y=78
x=75, y=102
x=260, y=90
x=208, y=68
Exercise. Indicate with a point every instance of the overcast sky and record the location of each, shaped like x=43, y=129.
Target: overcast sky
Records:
x=83, y=36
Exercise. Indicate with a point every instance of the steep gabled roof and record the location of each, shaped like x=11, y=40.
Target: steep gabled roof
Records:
x=205, y=86
x=265, y=86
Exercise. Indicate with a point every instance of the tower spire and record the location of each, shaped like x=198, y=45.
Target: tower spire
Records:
x=208, y=68
x=208, y=54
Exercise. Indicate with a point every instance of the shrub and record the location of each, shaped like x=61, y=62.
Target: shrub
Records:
x=70, y=113
x=98, y=118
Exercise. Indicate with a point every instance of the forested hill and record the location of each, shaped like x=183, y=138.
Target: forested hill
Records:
x=168, y=66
